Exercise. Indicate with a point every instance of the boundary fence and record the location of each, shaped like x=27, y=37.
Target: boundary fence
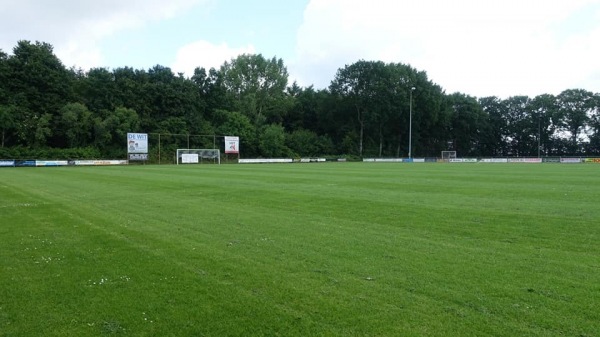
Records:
x=562, y=160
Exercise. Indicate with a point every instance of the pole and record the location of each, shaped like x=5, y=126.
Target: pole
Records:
x=410, y=125
x=539, y=135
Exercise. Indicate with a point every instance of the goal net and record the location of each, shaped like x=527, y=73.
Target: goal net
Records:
x=447, y=155
x=198, y=156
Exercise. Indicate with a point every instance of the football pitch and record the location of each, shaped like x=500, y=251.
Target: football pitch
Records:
x=328, y=249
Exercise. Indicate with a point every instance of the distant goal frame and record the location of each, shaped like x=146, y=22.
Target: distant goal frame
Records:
x=197, y=156
x=448, y=155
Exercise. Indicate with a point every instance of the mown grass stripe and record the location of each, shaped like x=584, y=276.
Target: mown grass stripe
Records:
x=317, y=249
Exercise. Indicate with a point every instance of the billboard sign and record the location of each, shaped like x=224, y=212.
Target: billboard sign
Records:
x=232, y=144
x=137, y=143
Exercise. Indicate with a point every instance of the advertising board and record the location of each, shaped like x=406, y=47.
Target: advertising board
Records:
x=7, y=163
x=24, y=163
x=137, y=143
x=138, y=156
x=525, y=160
x=570, y=160
x=232, y=144
x=189, y=158
x=99, y=162
x=51, y=162
x=265, y=161
x=462, y=160
x=493, y=160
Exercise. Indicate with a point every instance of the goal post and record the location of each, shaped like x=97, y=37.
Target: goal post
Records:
x=447, y=155
x=198, y=156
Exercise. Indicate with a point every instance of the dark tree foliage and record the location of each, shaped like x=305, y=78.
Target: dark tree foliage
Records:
x=366, y=111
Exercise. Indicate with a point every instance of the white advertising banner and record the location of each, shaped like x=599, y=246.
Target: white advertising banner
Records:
x=137, y=143
x=525, y=160
x=99, y=162
x=51, y=162
x=494, y=160
x=463, y=160
x=189, y=158
x=7, y=163
x=232, y=144
x=266, y=161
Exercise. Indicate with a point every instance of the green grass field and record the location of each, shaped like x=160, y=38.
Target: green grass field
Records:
x=335, y=249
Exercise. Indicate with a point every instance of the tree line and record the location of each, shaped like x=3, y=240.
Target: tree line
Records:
x=365, y=112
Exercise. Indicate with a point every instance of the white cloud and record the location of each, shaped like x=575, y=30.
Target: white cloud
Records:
x=207, y=55
x=75, y=27
x=477, y=47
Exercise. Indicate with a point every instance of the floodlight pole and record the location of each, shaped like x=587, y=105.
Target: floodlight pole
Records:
x=410, y=124
x=539, y=134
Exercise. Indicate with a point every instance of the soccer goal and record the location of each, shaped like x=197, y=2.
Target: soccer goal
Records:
x=198, y=156
x=447, y=155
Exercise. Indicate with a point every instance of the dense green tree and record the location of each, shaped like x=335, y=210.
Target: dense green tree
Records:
x=76, y=124
x=358, y=84
x=111, y=132
x=256, y=87
x=99, y=90
x=575, y=107
x=42, y=130
x=544, y=123
x=130, y=84
x=497, y=134
x=594, y=128
x=231, y=123
x=431, y=116
x=212, y=90
x=380, y=97
x=304, y=143
x=468, y=124
x=365, y=110
x=520, y=137
x=40, y=86
x=7, y=122
x=4, y=78
x=272, y=142
x=7, y=110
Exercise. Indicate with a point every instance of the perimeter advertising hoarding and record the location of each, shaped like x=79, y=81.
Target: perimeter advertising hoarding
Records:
x=265, y=161
x=494, y=160
x=570, y=160
x=232, y=144
x=99, y=162
x=25, y=163
x=525, y=160
x=592, y=160
x=7, y=163
x=463, y=160
x=51, y=162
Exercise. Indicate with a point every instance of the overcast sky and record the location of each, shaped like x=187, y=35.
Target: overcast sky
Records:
x=477, y=47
